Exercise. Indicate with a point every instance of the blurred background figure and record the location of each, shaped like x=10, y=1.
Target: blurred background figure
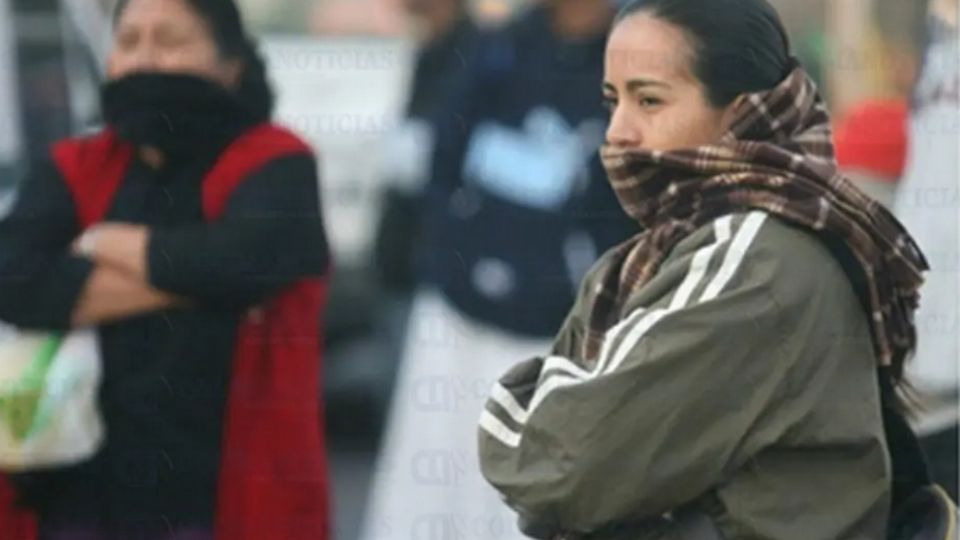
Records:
x=871, y=146
x=384, y=17
x=446, y=38
x=928, y=203
x=873, y=73
x=168, y=274
x=516, y=211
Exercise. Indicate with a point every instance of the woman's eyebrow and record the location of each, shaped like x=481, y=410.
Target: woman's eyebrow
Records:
x=638, y=84
x=609, y=87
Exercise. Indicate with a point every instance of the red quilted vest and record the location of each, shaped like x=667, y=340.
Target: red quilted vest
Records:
x=273, y=482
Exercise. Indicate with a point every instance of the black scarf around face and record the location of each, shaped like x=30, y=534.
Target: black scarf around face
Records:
x=174, y=113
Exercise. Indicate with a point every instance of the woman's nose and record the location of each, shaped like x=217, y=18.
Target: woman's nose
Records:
x=622, y=132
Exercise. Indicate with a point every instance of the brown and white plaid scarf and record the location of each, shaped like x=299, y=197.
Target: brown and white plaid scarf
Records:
x=777, y=157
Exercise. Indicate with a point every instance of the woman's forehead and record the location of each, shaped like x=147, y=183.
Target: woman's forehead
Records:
x=158, y=12
x=644, y=47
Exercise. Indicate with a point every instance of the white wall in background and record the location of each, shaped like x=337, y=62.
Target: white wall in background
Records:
x=928, y=203
x=346, y=96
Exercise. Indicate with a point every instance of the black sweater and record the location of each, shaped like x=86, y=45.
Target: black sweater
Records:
x=166, y=373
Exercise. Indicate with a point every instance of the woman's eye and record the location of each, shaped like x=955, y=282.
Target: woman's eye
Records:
x=126, y=40
x=609, y=104
x=648, y=102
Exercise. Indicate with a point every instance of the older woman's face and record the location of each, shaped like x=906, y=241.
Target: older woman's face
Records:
x=167, y=36
x=655, y=101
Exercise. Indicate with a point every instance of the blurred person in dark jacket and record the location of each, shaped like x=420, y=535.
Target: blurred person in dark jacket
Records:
x=188, y=232
x=516, y=210
x=448, y=39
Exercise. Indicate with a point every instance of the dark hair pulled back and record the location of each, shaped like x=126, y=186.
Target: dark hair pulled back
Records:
x=741, y=46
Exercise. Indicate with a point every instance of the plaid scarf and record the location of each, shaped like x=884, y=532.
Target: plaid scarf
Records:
x=777, y=157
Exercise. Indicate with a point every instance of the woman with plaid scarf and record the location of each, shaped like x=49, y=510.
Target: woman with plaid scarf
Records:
x=729, y=370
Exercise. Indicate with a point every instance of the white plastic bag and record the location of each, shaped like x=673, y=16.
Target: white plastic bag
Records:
x=49, y=415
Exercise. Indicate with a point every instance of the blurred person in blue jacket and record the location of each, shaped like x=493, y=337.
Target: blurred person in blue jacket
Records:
x=516, y=211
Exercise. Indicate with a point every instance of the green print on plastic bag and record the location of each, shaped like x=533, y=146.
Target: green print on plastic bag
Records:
x=20, y=402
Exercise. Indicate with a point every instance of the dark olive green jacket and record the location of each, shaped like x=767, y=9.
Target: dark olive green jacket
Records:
x=741, y=384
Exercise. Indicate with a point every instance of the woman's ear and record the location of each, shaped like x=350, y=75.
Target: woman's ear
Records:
x=730, y=111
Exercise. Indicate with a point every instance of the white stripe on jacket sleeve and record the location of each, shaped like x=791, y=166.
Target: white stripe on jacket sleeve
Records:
x=625, y=336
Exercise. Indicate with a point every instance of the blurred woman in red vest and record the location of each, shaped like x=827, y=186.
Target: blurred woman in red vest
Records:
x=189, y=233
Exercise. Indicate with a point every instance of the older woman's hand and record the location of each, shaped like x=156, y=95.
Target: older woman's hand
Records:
x=119, y=245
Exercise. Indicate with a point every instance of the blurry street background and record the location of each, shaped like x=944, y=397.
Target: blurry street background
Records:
x=342, y=70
